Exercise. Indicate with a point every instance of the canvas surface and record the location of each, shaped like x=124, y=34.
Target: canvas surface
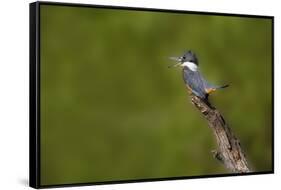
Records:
x=111, y=109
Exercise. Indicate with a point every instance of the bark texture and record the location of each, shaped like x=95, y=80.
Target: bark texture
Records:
x=229, y=150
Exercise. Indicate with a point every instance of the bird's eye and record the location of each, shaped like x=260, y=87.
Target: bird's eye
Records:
x=183, y=57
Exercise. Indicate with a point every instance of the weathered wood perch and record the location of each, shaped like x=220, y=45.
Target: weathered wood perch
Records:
x=229, y=150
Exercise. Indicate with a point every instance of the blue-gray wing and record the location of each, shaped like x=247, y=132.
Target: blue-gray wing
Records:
x=196, y=82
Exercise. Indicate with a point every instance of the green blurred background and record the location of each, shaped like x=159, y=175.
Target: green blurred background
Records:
x=112, y=110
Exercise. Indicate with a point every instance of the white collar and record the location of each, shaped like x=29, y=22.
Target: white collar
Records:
x=190, y=65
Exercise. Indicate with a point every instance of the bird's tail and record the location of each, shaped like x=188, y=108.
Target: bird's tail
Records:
x=223, y=86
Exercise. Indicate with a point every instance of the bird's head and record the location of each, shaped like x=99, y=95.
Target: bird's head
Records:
x=188, y=57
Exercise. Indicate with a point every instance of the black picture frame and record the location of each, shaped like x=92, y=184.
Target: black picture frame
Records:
x=34, y=98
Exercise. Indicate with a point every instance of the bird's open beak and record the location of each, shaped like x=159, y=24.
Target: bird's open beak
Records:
x=178, y=59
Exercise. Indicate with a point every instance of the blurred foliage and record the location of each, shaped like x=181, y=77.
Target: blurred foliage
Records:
x=112, y=110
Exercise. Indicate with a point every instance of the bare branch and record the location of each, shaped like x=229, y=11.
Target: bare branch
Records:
x=229, y=150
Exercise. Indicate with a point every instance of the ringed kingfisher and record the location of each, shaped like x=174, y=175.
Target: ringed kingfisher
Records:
x=192, y=77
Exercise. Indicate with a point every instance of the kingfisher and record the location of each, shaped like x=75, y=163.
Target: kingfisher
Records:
x=192, y=77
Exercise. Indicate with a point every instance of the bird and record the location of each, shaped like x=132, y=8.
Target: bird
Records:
x=193, y=79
